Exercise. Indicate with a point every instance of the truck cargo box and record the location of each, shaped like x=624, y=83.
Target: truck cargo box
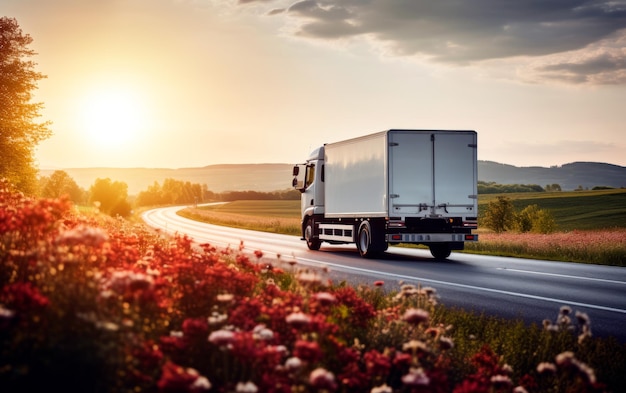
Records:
x=402, y=173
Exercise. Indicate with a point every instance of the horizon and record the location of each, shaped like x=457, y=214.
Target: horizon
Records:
x=170, y=84
x=287, y=163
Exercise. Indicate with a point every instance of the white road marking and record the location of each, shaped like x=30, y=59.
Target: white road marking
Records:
x=563, y=276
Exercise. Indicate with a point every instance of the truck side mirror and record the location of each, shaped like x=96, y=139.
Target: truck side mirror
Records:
x=294, y=183
x=296, y=171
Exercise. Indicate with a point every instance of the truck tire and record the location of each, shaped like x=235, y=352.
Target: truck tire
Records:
x=440, y=251
x=364, y=239
x=312, y=242
x=369, y=242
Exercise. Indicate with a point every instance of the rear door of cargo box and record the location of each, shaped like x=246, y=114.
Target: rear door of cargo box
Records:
x=432, y=173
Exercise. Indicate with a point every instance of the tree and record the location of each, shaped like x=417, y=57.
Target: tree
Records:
x=534, y=219
x=110, y=196
x=60, y=183
x=553, y=187
x=19, y=133
x=500, y=215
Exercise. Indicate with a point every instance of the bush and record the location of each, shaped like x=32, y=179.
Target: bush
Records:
x=533, y=219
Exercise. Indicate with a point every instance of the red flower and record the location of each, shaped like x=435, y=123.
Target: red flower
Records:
x=307, y=350
x=376, y=363
x=195, y=327
x=23, y=297
x=176, y=379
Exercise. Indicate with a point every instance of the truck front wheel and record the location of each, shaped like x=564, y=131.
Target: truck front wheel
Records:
x=312, y=242
x=364, y=239
x=440, y=251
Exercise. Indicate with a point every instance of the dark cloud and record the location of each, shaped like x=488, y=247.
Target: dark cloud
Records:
x=467, y=31
x=591, y=70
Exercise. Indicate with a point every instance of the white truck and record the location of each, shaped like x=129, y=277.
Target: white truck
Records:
x=394, y=186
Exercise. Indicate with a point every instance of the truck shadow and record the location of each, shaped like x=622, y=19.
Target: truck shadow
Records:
x=390, y=256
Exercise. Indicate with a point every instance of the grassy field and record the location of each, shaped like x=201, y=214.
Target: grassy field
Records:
x=592, y=225
x=574, y=210
x=269, y=216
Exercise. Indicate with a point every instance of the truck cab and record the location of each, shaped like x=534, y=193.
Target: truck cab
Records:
x=309, y=180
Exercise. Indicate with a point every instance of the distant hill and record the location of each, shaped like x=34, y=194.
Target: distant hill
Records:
x=274, y=177
x=569, y=176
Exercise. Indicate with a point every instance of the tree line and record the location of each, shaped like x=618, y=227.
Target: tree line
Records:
x=111, y=197
x=495, y=188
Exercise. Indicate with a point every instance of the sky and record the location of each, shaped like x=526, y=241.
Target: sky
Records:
x=190, y=83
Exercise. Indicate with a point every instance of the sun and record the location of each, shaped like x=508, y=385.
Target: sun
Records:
x=112, y=117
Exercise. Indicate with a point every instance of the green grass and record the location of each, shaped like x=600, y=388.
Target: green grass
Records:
x=582, y=210
x=273, y=209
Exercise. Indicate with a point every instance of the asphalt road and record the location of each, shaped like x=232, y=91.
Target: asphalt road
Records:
x=532, y=290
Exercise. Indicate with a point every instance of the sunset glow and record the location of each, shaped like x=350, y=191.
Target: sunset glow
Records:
x=112, y=118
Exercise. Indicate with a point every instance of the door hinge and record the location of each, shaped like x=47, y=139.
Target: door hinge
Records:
x=393, y=144
x=394, y=196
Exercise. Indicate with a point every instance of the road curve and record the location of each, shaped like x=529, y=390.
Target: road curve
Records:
x=532, y=290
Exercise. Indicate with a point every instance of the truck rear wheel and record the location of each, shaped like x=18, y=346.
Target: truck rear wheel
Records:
x=440, y=251
x=312, y=242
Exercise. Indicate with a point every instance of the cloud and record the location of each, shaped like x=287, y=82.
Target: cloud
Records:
x=462, y=32
x=601, y=63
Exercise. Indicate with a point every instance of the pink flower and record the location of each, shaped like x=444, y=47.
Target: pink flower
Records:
x=325, y=298
x=416, y=377
x=321, y=378
x=501, y=381
x=83, y=235
x=415, y=316
x=446, y=343
x=221, y=337
x=293, y=363
x=261, y=333
x=298, y=319
x=247, y=387
x=565, y=358
x=546, y=367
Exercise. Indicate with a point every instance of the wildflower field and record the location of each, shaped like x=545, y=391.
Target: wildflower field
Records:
x=604, y=247
x=94, y=304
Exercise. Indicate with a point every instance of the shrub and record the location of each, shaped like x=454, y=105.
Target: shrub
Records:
x=533, y=219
